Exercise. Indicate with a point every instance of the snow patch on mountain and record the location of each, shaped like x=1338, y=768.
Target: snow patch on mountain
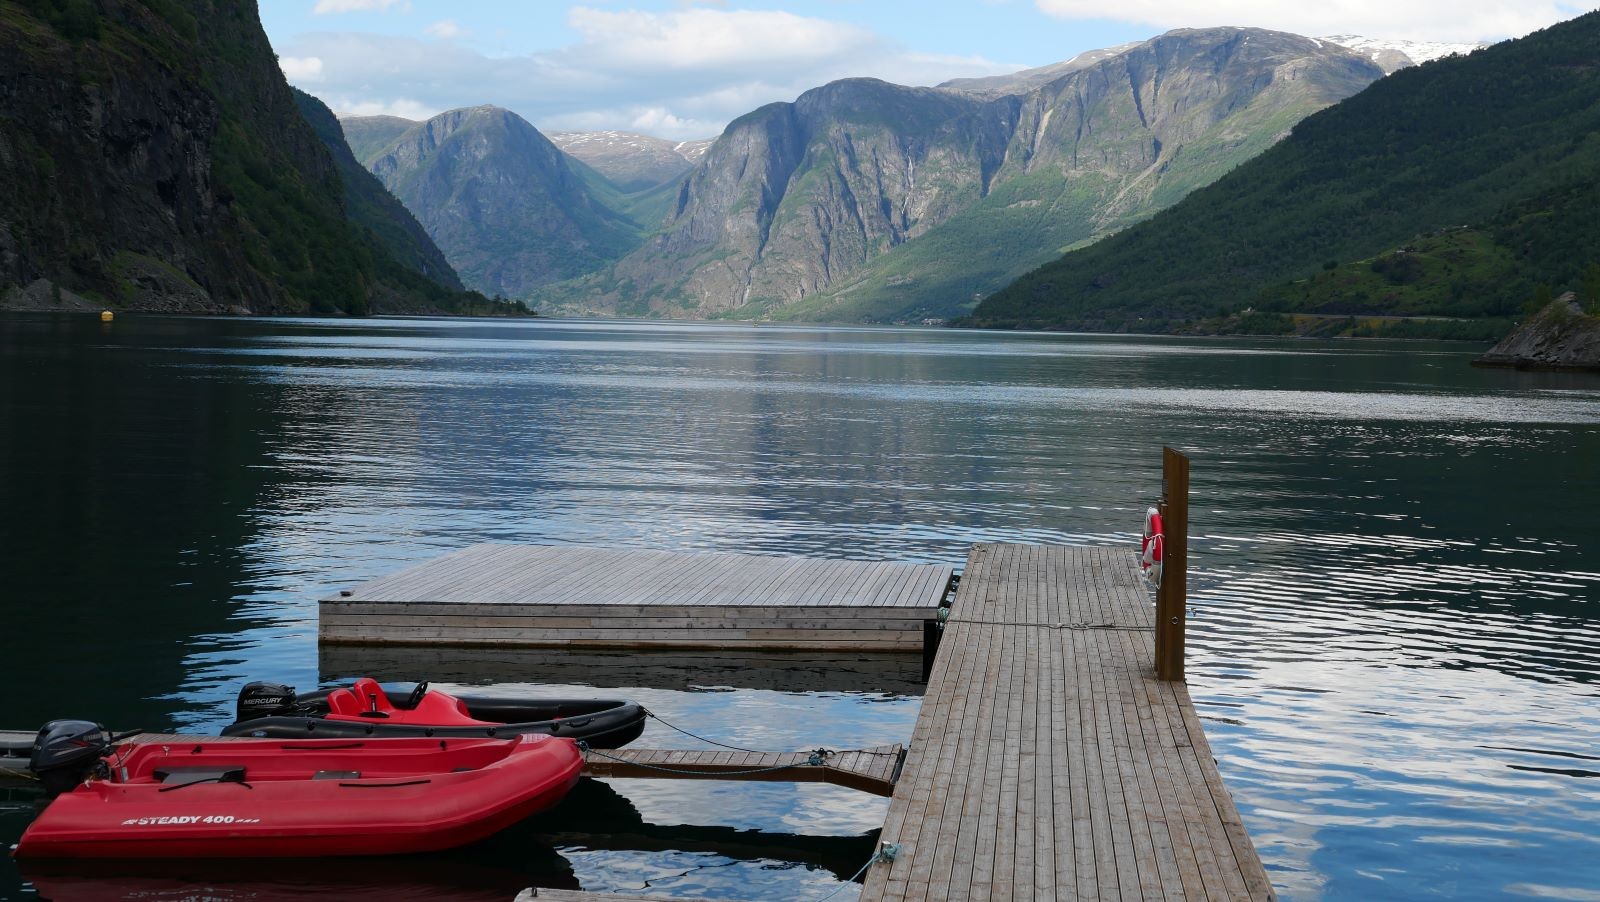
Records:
x=579, y=143
x=1397, y=54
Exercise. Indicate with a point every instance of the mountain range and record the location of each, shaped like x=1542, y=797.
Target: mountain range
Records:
x=201, y=181
x=864, y=200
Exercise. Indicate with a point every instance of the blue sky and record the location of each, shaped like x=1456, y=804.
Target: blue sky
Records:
x=1010, y=31
x=682, y=69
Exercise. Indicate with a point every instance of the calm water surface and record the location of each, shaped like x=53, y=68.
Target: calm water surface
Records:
x=1397, y=584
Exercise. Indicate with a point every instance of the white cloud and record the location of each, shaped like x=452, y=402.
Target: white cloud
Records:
x=301, y=69
x=446, y=29
x=1437, y=20
x=327, y=7
x=679, y=74
x=402, y=107
x=707, y=38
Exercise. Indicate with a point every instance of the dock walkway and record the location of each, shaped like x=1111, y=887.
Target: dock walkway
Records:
x=1048, y=761
x=550, y=596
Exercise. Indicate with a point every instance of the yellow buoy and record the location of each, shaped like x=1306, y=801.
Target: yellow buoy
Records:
x=105, y=316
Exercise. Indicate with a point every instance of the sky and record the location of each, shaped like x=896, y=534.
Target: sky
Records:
x=682, y=69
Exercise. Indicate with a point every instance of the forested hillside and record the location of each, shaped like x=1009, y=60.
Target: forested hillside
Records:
x=1506, y=141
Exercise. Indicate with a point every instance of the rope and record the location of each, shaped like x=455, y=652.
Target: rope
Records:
x=818, y=758
x=886, y=853
x=18, y=774
x=737, y=748
x=1059, y=626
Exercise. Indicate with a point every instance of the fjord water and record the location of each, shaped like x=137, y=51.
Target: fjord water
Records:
x=1396, y=583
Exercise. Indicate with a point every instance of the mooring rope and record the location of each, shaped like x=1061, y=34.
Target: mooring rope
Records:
x=886, y=853
x=654, y=716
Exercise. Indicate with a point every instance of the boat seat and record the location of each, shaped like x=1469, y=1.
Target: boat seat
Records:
x=343, y=701
x=373, y=700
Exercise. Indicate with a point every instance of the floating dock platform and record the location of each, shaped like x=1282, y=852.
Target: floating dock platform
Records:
x=551, y=596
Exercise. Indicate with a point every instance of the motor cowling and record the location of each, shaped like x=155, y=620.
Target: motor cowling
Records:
x=65, y=751
x=262, y=699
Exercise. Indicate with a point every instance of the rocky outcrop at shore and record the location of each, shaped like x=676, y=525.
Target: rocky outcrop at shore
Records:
x=1559, y=337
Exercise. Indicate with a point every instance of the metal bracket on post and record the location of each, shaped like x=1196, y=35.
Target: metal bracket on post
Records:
x=1173, y=594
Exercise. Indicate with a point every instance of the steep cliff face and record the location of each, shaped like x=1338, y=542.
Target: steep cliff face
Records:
x=506, y=206
x=370, y=205
x=865, y=200
x=152, y=156
x=794, y=194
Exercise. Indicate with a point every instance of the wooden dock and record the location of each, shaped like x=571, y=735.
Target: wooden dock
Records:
x=1057, y=753
x=515, y=595
x=1048, y=761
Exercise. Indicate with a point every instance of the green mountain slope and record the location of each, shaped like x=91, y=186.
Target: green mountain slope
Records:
x=1488, y=273
x=510, y=211
x=864, y=200
x=368, y=136
x=1495, y=140
x=372, y=207
x=152, y=156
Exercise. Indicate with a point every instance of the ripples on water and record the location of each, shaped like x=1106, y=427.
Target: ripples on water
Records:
x=1394, y=639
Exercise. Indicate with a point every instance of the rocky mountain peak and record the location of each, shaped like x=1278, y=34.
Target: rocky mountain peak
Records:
x=507, y=207
x=872, y=196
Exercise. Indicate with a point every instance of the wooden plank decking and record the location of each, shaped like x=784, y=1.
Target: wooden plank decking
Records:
x=871, y=770
x=1048, y=762
x=498, y=595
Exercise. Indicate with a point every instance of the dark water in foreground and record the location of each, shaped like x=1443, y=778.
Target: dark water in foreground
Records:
x=1397, y=565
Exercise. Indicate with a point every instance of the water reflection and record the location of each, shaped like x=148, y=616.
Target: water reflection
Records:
x=1394, y=645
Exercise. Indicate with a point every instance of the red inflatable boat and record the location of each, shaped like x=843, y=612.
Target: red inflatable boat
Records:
x=256, y=798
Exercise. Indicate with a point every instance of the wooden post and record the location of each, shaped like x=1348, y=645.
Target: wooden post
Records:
x=1173, y=595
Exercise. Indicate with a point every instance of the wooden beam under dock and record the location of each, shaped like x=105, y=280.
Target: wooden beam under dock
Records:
x=871, y=770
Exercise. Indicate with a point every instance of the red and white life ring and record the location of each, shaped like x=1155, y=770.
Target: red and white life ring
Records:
x=1150, y=549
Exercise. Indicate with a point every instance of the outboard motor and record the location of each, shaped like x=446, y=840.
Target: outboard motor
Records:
x=65, y=751
x=260, y=699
